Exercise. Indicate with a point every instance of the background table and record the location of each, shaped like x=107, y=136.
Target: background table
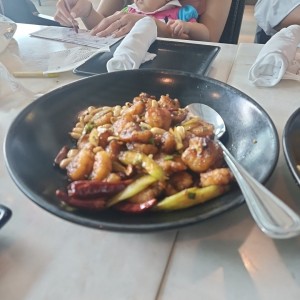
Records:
x=229, y=257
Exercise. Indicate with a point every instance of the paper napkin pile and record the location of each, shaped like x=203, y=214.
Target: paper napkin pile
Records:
x=133, y=50
x=71, y=58
x=276, y=60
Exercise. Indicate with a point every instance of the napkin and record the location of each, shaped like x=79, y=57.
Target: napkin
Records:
x=276, y=60
x=12, y=92
x=71, y=58
x=133, y=50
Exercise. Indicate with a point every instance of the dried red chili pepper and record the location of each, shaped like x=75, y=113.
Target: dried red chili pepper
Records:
x=94, y=204
x=95, y=188
x=135, y=208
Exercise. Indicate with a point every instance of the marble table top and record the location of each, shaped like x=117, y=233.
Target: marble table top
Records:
x=226, y=257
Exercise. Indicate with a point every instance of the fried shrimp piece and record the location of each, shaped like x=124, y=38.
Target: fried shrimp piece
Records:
x=201, y=154
x=137, y=108
x=81, y=165
x=197, y=127
x=221, y=176
x=170, y=163
x=173, y=106
x=178, y=116
x=181, y=180
x=158, y=117
x=142, y=148
x=178, y=182
x=103, y=119
x=144, y=97
x=166, y=102
x=121, y=122
x=102, y=166
x=151, y=192
x=132, y=132
x=113, y=148
x=168, y=142
x=164, y=140
x=103, y=135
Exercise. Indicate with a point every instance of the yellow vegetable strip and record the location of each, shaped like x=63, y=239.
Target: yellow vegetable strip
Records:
x=132, y=189
x=146, y=162
x=190, y=197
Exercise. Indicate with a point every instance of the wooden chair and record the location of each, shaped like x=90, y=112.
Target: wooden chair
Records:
x=232, y=27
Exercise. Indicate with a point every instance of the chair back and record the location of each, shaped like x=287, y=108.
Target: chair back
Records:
x=233, y=24
x=24, y=11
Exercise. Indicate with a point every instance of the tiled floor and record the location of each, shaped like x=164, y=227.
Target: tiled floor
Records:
x=247, y=29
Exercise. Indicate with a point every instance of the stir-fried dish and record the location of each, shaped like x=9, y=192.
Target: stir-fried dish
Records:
x=149, y=154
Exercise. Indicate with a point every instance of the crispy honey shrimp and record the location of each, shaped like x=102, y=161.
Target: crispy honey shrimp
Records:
x=132, y=132
x=153, y=191
x=201, y=154
x=178, y=182
x=102, y=166
x=158, y=117
x=81, y=165
x=170, y=163
x=220, y=176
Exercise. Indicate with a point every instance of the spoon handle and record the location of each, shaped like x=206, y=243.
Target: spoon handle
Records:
x=5, y=214
x=272, y=215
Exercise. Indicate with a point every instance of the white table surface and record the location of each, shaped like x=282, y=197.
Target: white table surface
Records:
x=227, y=257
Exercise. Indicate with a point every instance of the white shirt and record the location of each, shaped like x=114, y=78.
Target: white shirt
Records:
x=269, y=13
x=168, y=5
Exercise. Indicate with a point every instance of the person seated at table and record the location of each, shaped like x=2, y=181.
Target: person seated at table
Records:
x=181, y=20
x=110, y=19
x=24, y=11
x=273, y=15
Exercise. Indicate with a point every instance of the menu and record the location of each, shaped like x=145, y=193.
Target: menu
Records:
x=68, y=35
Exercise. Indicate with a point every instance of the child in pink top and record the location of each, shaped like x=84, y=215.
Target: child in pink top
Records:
x=182, y=20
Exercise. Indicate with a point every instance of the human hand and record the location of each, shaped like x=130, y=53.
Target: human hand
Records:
x=79, y=9
x=118, y=24
x=178, y=29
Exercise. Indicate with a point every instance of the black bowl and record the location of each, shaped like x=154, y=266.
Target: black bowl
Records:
x=41, y=129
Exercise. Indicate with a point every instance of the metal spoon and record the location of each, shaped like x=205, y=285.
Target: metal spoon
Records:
x=272, y=216
x=5, y=214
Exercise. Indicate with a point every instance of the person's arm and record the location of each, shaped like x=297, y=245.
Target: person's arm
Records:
x=78, y=9
x=188, y=30
x=84, y=9
x=105, y=9
x=293, y=18
x=92, y=18
x=109, y=7
x=215, y=17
